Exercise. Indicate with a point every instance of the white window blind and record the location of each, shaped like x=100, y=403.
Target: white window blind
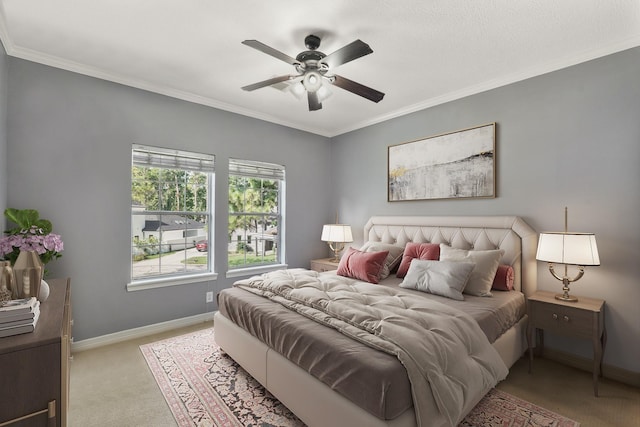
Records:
x=256, y=169
x=171, y=159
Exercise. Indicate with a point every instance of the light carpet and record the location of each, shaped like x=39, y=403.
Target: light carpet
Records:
x=206, y=388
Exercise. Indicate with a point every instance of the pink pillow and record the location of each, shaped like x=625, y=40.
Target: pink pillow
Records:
x=360, y=265
x=423, y=251
x=504, y=278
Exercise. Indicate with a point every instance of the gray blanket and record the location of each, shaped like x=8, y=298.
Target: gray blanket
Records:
x=445, y=353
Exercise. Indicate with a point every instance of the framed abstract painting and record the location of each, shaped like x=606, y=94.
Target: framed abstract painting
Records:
x=453, y=165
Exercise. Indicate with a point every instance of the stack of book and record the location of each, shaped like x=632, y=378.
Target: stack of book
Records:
x=19, y=316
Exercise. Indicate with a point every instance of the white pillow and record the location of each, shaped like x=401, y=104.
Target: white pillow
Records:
x=483, y=273
x=393, y=259
x=444, y=278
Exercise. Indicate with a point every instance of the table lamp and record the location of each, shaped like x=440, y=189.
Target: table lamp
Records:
x=336, y=235
x=568, y=248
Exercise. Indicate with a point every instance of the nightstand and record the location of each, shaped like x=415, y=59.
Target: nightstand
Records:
x=324, y=264
x=581, y=319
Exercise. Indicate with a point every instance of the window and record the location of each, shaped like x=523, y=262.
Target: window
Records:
x=256, y=200
x=171, y=213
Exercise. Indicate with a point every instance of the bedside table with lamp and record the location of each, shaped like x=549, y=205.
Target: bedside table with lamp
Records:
x=336, y=235
x=565, y=314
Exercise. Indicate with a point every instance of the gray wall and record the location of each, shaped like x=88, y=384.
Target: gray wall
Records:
x=569, y=138
x=69, y=156
x=3, y=132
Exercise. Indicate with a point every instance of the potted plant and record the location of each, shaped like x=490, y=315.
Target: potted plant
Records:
x=32, y=234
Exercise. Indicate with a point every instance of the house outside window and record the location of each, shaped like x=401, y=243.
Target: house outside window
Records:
x=256, y=207
x=171, y=212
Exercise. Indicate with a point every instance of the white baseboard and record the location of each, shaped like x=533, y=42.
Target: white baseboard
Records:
x=142, y=331
x=612, y=372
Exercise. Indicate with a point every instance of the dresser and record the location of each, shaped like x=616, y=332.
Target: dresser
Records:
x=34, y=367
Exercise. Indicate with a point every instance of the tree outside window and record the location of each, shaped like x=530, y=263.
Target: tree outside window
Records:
x=255, y=213
x=170, y=212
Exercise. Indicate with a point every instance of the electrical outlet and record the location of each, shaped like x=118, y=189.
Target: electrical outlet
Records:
x=209, y=296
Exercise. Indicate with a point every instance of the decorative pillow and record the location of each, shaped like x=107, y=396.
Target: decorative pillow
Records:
x=483, y=273
x=360, y=265
x=424, y=251
x=504, y=278
x=444, y=278
x=393, y=259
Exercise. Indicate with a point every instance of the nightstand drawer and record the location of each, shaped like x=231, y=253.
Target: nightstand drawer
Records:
x=324, y=264
x=563, y=320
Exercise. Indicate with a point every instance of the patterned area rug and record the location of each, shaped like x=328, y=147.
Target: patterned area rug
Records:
x=206, y=388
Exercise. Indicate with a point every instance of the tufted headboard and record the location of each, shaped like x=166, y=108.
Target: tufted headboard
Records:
x=510, y=233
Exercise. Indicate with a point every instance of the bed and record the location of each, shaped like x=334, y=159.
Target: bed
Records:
x=356, y=384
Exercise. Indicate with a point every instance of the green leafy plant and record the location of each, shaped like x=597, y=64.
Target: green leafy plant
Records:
x=25, y=219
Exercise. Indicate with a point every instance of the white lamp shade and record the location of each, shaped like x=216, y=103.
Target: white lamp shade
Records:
x=336, y=233
x=323, y=93
x=297, y=89
x=312, y=81
x=568, y=248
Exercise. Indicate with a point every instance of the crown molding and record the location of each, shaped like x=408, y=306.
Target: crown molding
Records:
x=64, y=64
x=56, y=62
x=500, y=82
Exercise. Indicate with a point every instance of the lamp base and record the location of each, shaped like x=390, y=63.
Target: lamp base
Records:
x=566, y=298
x=336, y=247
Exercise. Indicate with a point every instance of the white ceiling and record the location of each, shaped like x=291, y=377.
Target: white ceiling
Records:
x=425, y=52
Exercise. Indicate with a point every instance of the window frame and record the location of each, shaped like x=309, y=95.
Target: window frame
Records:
x=171, y=159
x=260, y=170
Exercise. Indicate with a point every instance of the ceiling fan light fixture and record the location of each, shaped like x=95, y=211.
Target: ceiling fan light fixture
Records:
x=323, y=93
x=312, y=81
x=312, y=67
x=297, y=89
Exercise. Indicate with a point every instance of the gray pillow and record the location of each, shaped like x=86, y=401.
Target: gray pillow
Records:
x=393, y=258
x=444, y=278
x=484, y=272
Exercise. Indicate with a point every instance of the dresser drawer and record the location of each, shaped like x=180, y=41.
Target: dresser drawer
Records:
x=563, y=320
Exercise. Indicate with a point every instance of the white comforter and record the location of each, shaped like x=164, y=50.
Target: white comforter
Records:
x=445, y=352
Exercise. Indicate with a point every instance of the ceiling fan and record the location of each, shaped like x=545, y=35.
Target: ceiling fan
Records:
x=313, y=68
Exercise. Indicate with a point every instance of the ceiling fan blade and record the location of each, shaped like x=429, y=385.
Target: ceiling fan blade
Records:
x=353, y=50
x=267, y=82
x=357, y=88
x=270, y=51
x=314, y=103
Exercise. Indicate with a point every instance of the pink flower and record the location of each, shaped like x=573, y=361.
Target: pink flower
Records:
x=53, y=242
x=48, y=247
